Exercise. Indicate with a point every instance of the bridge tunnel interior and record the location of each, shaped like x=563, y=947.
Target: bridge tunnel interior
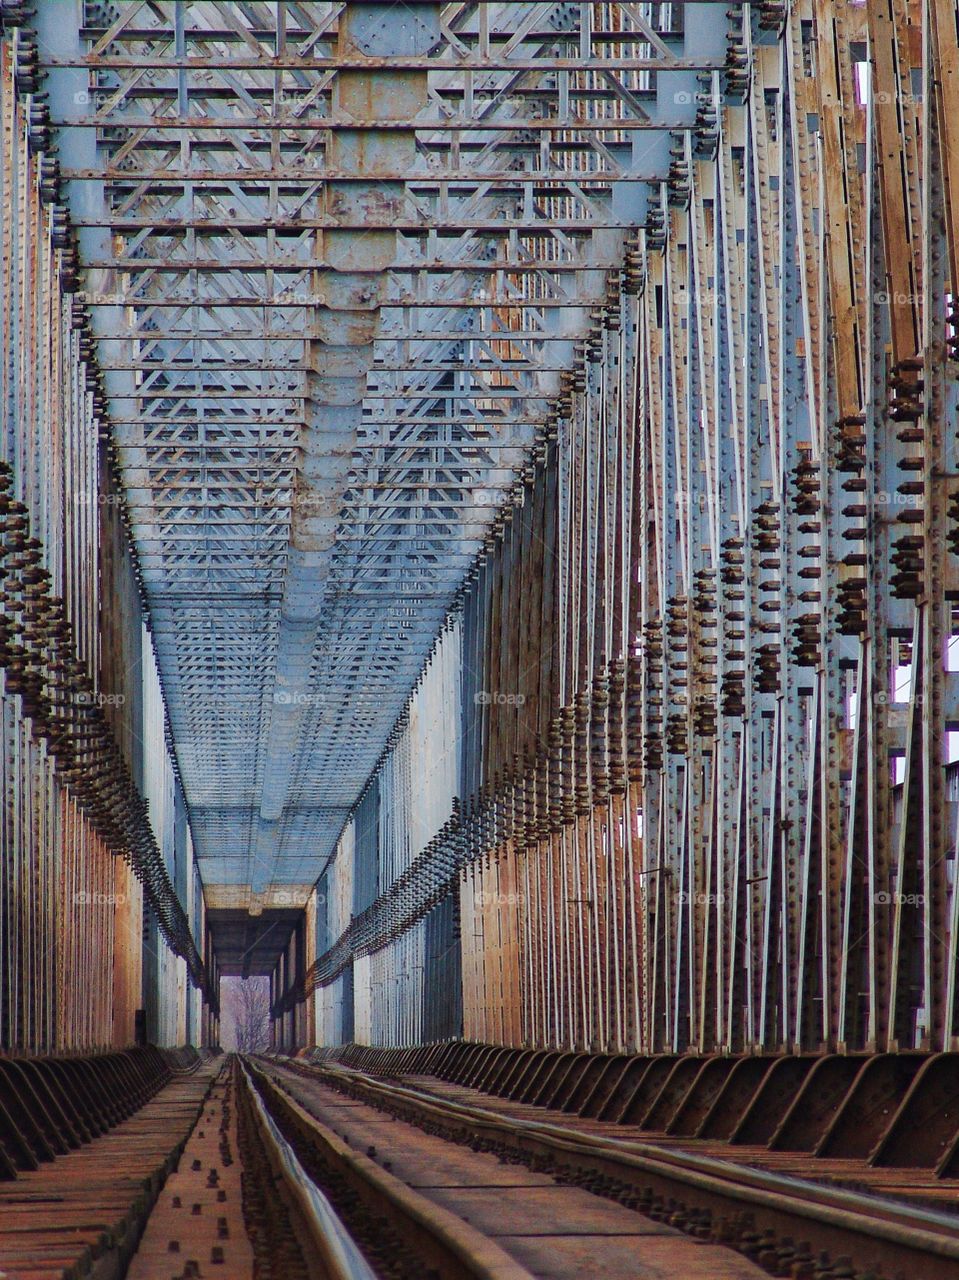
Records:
x=478, y=508
x=479, y=636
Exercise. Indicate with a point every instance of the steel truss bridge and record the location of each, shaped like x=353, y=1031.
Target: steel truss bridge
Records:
x=479, y=510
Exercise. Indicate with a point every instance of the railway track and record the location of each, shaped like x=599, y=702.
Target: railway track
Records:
x=241, y=1205
x=423, y=1206
x=786, y=1225
x=283, y=1178
x=244, y=1170
x=273, y=1169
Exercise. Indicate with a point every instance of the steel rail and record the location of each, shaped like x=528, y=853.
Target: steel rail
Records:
x=457, y=1249
x=850, y=1221
x=338, y=1252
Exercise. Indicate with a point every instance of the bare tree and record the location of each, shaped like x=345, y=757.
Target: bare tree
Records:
x=251, y=1012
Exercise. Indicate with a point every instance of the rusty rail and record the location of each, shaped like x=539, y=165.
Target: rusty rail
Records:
x=438, y=1238
x=757, y=1211
x=338, y=1252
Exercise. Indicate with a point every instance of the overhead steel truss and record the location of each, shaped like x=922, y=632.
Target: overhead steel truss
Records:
x=338, y=258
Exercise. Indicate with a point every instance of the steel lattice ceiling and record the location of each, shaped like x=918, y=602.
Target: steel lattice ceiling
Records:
x=338, y=257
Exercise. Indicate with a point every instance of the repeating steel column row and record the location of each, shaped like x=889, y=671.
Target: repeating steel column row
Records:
x=709, y=703
x=68, y=905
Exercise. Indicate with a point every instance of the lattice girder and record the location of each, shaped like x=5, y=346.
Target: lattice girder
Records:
x=338, y=259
